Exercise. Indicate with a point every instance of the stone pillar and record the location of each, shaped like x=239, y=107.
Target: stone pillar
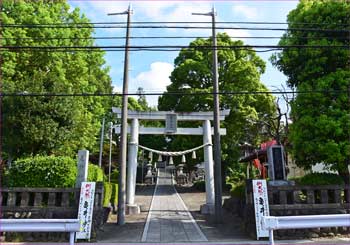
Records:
x=132, y=208
x=208, y=208
x=83, y=165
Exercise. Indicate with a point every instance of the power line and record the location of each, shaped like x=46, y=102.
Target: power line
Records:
x=26, y=94
x=186, y=22
x=159, y=37
x=165, y=47
x=175, y=27
x=120, y=50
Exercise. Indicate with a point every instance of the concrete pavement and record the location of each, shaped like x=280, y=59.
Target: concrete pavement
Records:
x=169, y=219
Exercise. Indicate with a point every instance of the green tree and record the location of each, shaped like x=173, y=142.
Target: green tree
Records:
x=239, y=70
x=321, y=123
x=50, y=125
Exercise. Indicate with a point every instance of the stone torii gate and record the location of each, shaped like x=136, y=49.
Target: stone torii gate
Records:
x=171, y=119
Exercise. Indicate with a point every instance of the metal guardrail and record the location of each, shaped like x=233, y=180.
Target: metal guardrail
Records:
x=41, y=225
x=272, y=223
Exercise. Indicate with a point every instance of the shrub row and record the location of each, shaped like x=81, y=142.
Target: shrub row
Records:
x=110, y=194
x=95, y=174
x=319, y=179
x=51, y=171
x=42, y=171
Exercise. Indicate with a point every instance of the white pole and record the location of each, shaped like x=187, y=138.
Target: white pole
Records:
x=209, y=164
x=271, y=241
x=101, y=143
x=110, y=151
x=132, y=162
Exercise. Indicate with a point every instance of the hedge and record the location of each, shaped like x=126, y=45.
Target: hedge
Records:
x=320, y=179
x=95, y=173
x=115, y=176
x=110, y=194
x=114, y=197
x=238, y=190
x=42, y=171
x=51, y=171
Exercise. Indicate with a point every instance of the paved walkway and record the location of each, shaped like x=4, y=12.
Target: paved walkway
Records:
x=168, y=219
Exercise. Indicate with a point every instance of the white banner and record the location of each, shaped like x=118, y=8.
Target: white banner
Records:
x=261, y=206
x=86, y=207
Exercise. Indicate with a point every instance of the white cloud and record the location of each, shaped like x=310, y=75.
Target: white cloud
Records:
x=179, y=11
x=117, y=89
x=97, y=10
x=170, y=11
x=248, y=12
x=154, y=80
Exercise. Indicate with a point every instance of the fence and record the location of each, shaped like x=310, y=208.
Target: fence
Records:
x=299, y=200
x=272, y=223
x=42, y=225
x=48, y=203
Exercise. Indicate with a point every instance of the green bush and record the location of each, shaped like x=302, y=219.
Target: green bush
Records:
x=238, y=190
x=114, y=197
x=4, y=179
x=110, y=194
x=199, y=185
x=235, y=175
x=115, y=176
x=95, y=173
x=107, y=193
x=320, y=179
x=42, y=171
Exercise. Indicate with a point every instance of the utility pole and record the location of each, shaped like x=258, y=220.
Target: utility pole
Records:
x=1, y=29
x=216, y=124
x=124, y=124
x=101, y=143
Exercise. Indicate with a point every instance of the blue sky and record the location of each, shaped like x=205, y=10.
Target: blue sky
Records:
x=151, y=70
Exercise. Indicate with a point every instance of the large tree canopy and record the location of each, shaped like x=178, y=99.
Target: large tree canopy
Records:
x=239, y=70
x=51, y=125
x=305, y=24
x=321, y=121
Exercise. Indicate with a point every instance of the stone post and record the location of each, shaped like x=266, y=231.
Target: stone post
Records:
x=83, y=164
x=208, y=208
x=132, y=208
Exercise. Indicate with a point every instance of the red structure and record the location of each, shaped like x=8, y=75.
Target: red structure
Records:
x=258, y=158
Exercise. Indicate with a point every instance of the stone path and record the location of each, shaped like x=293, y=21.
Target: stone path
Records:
x=168, y=219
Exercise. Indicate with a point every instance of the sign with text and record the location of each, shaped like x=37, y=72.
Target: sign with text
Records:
x=171, y=123
x=261, y=206
x=86, y=207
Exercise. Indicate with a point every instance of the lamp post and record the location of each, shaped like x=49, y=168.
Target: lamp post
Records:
x=124, y=124
x=217, y=144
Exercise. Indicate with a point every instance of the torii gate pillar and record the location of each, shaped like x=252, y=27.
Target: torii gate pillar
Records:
x=208, y=207
x=131, y=207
